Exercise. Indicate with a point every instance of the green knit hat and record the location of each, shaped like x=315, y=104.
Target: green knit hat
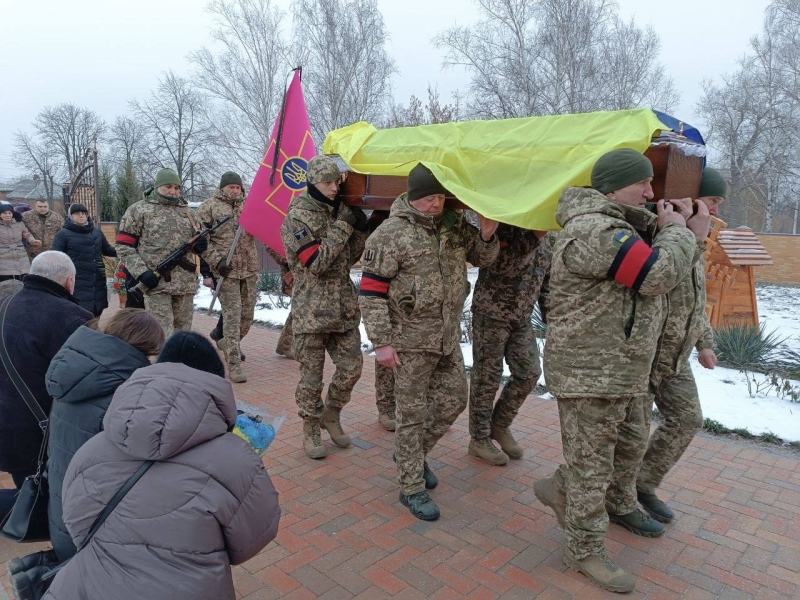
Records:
x=619, y=169
x=166, y=177
x=713, y=184
x=421, y=183
x=230, y=178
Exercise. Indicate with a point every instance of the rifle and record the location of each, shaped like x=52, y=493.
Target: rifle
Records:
x=176, y=256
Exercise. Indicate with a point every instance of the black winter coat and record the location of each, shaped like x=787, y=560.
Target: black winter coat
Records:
x=82, y=380
x=39, y=320
x=86, y=245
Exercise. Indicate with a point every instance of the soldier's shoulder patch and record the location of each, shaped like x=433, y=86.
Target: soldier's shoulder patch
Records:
x=369, y=256
x=620, y=238
x=301, y=234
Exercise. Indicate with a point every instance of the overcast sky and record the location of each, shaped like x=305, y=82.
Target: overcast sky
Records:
x=101, y=54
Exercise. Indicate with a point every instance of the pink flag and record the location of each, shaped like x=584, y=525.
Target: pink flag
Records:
x=268, y=202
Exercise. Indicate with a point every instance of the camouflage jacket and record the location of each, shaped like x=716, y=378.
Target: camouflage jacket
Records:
x=508, y=288
x=43, y=228
x=686, y=325
x=415, y=278
x=244, y=262
x=611, y=270
x=148, y=232
x=320, y=251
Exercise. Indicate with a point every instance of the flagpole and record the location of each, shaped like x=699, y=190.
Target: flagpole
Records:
x=279, y=136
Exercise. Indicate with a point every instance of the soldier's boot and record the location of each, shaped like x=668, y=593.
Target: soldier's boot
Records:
x=236, y=374
x=37, y=559
x=486, y=450
x=216, y=334
x=431, y=481
x=502, y=435
x=387, y=420
x=639, y=523
x=329, y=420
x=602, y=571
x=547, y=493
x=312, y=439
x=656, y=508
x=421, y=505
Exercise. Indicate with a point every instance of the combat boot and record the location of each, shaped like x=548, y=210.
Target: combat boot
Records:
x=486, y=450
x=656, y=508
x=639, y=523
x=312, y=439
x=602, y=571
x=547, y=493
x=431, y=481
x=37, y=559
x=388, y=420
x=421, y=506
x=236, y=374
x=329, y=420
x=502, y=435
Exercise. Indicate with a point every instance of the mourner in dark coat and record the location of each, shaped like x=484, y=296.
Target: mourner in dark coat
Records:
x=86, y=245
x=38, y=321
x=82, y=379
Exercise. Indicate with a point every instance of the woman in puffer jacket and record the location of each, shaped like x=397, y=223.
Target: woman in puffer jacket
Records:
x=206, y=504
x=82, y=379
x=14, y=261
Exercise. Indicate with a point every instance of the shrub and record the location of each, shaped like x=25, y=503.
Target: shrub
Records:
x=746, y=347
x=270, y=282
x=771, y=438
x=713, y=426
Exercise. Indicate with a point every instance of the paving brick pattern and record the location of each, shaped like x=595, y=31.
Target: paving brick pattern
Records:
x=345, y=535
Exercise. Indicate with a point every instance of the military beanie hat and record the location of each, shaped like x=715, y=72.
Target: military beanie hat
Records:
x=167, y=177
x=421, y=183
x=713, y=184
x=322, y=168
x=230, y=178
x=619, y=169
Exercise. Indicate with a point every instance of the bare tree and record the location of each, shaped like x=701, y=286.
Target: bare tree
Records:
x=346, y=69
x=70, y=130
x=245, y=77
x=535, y=57
x=415, y=113
x=174, y=125
x=36, y=157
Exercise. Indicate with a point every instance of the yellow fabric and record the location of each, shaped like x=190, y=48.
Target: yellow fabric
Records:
x=512, y=170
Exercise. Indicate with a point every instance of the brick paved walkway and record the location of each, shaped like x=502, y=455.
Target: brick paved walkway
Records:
x=344, y=534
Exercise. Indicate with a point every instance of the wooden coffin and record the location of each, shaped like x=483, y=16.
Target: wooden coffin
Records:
x=676, y=175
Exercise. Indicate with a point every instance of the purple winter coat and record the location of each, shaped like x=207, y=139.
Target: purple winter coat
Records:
x=207, y=502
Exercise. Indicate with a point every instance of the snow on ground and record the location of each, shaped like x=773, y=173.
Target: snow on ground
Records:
x=723, y=392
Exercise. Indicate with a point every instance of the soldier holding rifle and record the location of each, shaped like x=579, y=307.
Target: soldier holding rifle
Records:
x=149, y=231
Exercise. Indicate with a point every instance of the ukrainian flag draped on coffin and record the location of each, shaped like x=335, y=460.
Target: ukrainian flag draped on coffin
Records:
x=511, y=170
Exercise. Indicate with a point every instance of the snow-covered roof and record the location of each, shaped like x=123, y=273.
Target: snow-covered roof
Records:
x=742, y=247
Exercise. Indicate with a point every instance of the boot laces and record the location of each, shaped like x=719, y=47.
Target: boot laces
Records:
x=607, y=561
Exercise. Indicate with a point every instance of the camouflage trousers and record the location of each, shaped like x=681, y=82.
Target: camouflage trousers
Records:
x=309, y=350
x=384, y=389
x=284, y=346
x=173, y=312
x=493, y=340
x=431, y=391
x=681, y=418
x=238, y=300
x=604, y=441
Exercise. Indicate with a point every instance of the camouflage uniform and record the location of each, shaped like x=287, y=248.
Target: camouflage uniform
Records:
x=148, y=231
x=384, y=389
x=412, y=295
x=239, y=290
x=44, y=228
x=284, y=346
x=610, y=271
x=320, y=250
x=672, y=381
x=502, y=305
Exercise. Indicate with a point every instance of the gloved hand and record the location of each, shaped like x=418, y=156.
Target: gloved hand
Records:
x=346, y=214
x=200, y=245
x=150, y=279
x=223, y=269
x=361, y=218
